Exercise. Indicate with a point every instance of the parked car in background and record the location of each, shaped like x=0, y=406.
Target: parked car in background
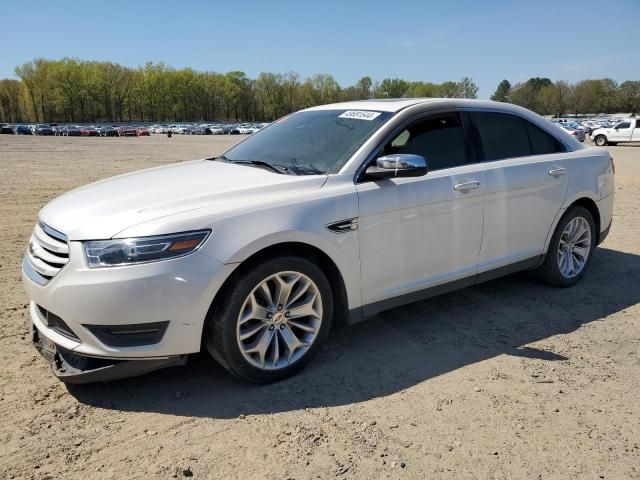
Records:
x=142, y=132
x=72, y=131
x=107, y=131
x=44, y=129
x=201, y=130
x=127, y=131
x=184, y=129
x=216, y=129
x=626, y=131
x=23, y=130
x=329, y=216
x=88, y=131
x=6, y=129
x=574, y=132
x=227, y=128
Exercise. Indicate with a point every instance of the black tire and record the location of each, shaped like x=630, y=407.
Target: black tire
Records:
x=549, y=272
x=221, y=323
x=600, y=140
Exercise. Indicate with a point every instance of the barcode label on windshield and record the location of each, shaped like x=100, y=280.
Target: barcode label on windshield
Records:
x=359, y=114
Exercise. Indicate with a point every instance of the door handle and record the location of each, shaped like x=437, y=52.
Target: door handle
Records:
x=466, y=186
x=557, y=171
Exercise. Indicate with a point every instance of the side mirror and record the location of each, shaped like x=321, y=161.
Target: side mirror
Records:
x=399, y=165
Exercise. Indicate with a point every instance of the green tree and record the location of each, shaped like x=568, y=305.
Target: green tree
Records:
x=502, y=92
x=394, y=87
x=629, y=96
x=467, y=88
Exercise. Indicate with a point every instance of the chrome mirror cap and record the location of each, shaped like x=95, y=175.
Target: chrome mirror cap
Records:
x=398, y=165
x=401, y=161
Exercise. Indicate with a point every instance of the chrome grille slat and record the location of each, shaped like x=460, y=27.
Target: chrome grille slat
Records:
x=49, y=242
x=42, y=253
x=48, y=252
x=41, y=267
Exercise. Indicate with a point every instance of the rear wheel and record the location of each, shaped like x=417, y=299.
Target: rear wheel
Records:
x=570, y=249
x=600, y=140
x=271, y=321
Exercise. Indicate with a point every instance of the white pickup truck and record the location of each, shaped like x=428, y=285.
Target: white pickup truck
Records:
x=627, y=130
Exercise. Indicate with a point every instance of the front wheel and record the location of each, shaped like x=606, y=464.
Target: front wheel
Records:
x=600, y=140
x=272, y=320
x=570, y=249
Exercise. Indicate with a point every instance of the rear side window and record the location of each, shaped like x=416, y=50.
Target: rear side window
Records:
x=502, y=135
x=542, y=143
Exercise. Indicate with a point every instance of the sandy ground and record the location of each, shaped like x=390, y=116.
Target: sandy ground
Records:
x=507, y=380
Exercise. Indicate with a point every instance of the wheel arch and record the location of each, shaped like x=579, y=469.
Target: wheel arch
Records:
x=592, y=207
x=303, y=250
x=583, y=201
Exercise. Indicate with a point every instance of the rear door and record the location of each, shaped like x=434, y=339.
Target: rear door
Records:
x=526, y=186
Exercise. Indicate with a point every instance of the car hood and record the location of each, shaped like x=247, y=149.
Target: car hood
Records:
x=103, y=209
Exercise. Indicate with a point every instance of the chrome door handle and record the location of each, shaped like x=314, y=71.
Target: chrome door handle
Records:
x=466, y=186
x=557, y=171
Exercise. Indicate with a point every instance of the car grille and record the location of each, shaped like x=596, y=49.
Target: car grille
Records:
x=48, y=251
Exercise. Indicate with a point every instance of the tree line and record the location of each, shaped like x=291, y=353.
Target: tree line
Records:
x=558, y=98
x=72, y=90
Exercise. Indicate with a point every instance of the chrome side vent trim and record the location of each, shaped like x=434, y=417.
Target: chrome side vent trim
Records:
x=343, y=226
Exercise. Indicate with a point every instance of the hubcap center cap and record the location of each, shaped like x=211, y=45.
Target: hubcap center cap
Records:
x=278, y=318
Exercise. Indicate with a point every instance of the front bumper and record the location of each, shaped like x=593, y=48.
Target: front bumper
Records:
x=175, y=292
x=73, y=368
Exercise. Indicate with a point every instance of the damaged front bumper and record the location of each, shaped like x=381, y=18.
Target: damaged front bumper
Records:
x=71, y=367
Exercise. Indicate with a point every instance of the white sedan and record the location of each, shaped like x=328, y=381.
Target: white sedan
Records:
x=327, y=217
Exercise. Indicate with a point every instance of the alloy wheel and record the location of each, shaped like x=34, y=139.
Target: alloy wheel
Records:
x=279, y=320
x=574, y=247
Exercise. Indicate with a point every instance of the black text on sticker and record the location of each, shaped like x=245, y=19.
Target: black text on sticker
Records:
x=359, y=114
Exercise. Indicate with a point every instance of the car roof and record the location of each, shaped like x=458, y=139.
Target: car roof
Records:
x=397, y=104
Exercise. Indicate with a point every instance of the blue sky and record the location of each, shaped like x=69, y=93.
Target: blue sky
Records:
x=415, y=40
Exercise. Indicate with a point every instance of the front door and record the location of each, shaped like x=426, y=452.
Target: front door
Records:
x=423, y=231
x=622, y=132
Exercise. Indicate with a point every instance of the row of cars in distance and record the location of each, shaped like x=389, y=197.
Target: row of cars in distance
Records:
x=583, y=128
x=209, y=128
x=76, y=130
x=132, y=130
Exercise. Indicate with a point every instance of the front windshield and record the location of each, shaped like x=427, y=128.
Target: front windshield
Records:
x=308, y=142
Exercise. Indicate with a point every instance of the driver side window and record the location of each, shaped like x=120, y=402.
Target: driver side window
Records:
x=438, y=138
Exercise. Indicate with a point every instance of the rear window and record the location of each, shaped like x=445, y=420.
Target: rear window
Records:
x=508, y=136
x=542, y=142
x=502, y=135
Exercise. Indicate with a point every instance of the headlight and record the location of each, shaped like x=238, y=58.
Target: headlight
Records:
x=130, y=251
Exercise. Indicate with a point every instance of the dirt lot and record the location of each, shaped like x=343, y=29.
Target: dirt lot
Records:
x=509, y=379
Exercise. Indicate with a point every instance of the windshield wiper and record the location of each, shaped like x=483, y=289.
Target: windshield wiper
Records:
x=300, y=170
x=281, y=169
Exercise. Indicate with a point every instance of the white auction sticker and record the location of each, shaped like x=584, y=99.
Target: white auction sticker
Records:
x=359, y=114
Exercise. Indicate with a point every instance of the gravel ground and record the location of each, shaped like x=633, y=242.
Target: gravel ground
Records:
x=509, y=379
